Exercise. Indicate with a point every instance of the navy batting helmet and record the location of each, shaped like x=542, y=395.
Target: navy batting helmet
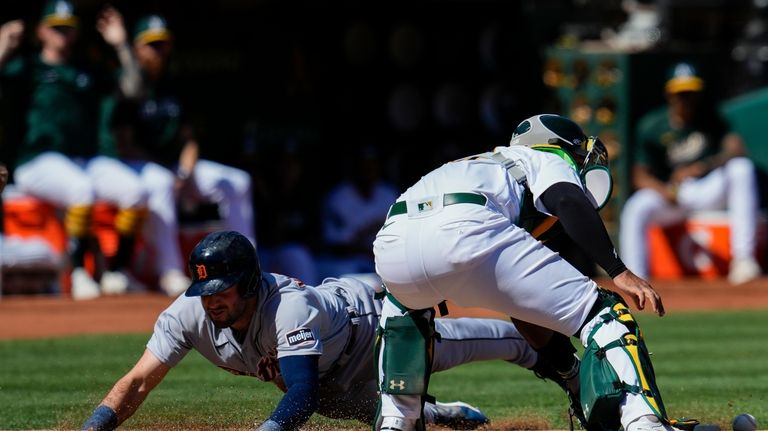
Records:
x=221, y=260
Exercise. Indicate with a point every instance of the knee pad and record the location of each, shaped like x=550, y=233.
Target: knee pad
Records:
x=602, y=390
x=559, y=353
x=408, y=346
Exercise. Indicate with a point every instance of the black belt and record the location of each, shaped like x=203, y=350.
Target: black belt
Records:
x=448, y=199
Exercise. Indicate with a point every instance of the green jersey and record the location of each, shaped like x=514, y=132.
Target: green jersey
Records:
x=158, y=124
x=61, y=110
x=662, y=148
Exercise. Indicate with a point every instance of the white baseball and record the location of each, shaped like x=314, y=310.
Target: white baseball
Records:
x=744, y=422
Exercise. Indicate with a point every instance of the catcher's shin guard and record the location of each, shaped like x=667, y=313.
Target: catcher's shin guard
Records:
x=603, y=387
x=406, y=356
x=405, y=348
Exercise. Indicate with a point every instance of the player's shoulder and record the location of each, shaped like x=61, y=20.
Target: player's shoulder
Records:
x=186, y=312
x=286, y=289
x=531, y=160
x=17, y=66
x=653, y=120
x=185, y=304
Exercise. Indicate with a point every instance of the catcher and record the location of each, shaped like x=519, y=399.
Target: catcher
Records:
x=314, y=343
x=469, y=232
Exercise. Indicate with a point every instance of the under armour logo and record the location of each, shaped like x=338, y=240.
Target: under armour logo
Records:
x=393, y=385
x=202, y=273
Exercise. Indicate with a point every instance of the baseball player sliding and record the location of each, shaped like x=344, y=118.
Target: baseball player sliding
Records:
x=466, y=232
x=314, y=343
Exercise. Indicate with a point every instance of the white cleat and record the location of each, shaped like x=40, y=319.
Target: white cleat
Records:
x=83, y=285
x=391, y=423
x=174, y=282
x=744, y=270
x=119, y=282
x=649, y=423
x=458, y=416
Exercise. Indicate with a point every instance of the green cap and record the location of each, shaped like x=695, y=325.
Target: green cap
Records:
x=683, y=77
x=151, y=28
x=59, y=13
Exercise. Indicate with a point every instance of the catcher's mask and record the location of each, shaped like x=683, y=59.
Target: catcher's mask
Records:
x=595, y=173
x=221, y=260
x=561, y=136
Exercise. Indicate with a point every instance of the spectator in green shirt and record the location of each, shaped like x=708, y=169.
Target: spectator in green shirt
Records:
x=687, y=159
x=57, y=160
x=166, y=154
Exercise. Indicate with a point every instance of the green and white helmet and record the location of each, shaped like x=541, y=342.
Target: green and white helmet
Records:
x=586, y=155
x=548, y=129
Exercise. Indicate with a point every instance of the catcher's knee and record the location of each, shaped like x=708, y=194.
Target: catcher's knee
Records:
x=602, y=388
x=405, y=349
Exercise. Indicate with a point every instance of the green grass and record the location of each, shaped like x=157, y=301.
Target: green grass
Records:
x=711, y=366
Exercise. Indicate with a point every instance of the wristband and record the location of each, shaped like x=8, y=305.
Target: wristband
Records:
x=102, y=419
x=183, y=174
x=269, y=425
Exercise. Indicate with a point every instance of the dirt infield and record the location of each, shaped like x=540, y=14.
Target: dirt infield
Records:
x=33, y=317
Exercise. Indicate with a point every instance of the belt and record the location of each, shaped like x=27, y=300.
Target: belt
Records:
x=401, y=207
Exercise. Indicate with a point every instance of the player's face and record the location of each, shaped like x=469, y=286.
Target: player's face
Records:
x=226, y=308
x=684, y=104
x=57, y=38
x=153, y=56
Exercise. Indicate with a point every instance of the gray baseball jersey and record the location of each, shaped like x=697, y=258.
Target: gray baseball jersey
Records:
x=337, y=321
x=291, y=319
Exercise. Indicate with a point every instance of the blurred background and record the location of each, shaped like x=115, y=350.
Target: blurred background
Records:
x=305, y=88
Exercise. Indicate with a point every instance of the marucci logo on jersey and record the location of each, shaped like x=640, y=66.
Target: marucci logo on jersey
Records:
x=299, y=336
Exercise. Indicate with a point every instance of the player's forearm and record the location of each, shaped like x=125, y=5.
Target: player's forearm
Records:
x=126, y=397
x=301, y=377
x=188, y=158
x=583, y=224
x=295, y=408
x=120, y=404
x=130, y=75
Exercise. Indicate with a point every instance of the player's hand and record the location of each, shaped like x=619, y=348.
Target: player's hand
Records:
x=640, y=291
x=269, y=425
x=694, y=170
x=110, y=25
x=10, y=36
x=3, y=177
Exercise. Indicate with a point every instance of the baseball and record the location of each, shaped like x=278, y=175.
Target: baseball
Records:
x=744, y=422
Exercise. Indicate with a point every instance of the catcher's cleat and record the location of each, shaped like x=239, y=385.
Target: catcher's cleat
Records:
x=390, y=423
x=545, y=371
x=459, y=416
x=684, y=424
x=652, y=423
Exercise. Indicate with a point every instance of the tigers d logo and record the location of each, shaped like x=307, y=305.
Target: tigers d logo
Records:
x=202, y=273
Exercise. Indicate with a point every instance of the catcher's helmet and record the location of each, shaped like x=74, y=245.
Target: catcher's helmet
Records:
x=549, y=129
x=221, y=260
x=588, y=156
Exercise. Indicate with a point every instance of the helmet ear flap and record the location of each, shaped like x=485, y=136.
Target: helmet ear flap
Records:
x=250, y=287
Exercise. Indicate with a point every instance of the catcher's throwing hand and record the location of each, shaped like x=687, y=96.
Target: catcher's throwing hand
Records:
x=640, y=291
